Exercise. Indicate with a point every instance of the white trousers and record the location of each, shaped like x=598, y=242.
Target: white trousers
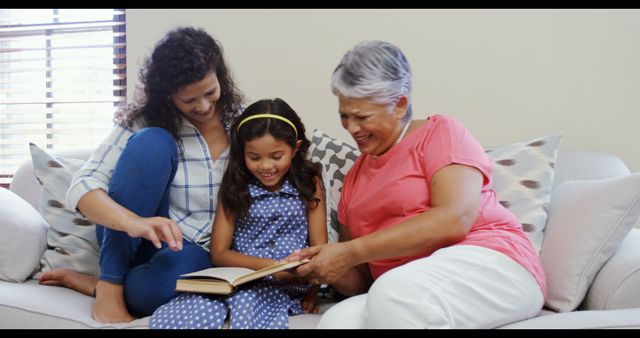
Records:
x=461, y=286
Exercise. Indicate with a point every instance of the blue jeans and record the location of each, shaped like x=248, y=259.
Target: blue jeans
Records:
x=141, y=182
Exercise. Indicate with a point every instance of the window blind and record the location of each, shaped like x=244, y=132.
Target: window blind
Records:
x=62, y=77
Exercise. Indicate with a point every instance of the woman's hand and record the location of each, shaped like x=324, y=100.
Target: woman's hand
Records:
x=155, y=229
x=329, y=262
x=99, y=207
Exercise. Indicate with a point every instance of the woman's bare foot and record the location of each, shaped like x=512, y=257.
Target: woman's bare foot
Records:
x=109, y=306
x=71, y=279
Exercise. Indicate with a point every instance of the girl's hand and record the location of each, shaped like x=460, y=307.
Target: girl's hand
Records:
x=156, y=229
x=288, y=277
x=309, y=304
x=295, y=256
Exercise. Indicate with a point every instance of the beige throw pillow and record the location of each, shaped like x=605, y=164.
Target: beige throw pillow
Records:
x=523, y=177
x=587, y=221
x=71, y=240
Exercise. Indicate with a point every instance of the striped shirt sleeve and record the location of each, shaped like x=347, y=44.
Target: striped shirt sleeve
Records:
x=96, y=172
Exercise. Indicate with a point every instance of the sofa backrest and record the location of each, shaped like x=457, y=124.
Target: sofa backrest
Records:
x=571, y=165
x=24, y=181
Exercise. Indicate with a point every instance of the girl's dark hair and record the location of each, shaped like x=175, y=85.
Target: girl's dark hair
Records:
x=234, y=193
x=184, y=56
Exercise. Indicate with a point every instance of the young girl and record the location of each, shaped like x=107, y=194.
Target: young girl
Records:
x=270, y=204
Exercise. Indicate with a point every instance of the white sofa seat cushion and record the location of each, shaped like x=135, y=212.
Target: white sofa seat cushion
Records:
x=58, y=306
x=619, y=319
x=30, y=305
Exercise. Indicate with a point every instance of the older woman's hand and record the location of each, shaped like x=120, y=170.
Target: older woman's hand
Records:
x=329, y=262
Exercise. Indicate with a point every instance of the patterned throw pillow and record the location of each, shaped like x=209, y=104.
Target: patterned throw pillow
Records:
x=71, y=239
x=336, y=157
x=522, y=178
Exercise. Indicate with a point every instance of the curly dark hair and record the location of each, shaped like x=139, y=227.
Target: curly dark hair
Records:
x=303, y=173
x=184, y=56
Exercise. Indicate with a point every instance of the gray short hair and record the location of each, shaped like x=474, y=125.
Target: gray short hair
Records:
x=374, y=70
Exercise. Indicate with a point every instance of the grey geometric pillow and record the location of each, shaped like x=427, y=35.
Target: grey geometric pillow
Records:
x=71, y=239
x=522, y=177
x=336, y=158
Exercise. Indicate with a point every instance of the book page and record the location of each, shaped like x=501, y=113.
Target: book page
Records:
x=236, y=276
x=230, y=274
x=268, y=271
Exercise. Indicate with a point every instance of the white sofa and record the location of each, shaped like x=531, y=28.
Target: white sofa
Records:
x=30, y=305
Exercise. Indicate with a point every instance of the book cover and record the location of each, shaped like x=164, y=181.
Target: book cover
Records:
x=225, y=280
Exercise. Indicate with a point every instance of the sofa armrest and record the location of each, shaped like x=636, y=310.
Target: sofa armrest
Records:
x=616, y=285
x=575, y=164
x=25, y=184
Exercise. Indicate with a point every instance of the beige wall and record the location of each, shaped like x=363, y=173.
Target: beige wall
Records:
x=509, y=75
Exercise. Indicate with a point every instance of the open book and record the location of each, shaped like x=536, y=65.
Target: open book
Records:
x=225, y=280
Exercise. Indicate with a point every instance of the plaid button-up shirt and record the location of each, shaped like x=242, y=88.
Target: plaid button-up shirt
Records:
x=194, y=190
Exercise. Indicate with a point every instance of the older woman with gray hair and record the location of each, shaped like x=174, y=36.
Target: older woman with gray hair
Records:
x=424, y=241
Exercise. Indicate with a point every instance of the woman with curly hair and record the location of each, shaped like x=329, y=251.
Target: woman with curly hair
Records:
x=154, y=180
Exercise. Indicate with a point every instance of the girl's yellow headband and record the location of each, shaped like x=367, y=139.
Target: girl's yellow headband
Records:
x=257, y=116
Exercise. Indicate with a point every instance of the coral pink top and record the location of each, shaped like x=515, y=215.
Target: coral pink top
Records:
x=382, y=191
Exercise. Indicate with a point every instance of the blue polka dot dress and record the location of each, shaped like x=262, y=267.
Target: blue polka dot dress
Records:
x=275, y=226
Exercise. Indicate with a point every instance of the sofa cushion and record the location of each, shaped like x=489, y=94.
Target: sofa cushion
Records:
x=72, y=239
x=587, y=221
x=30, y=305
x=522, y=177
x=580, y=320
x=617, y=284
x=336, y=157
x=23, y=237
